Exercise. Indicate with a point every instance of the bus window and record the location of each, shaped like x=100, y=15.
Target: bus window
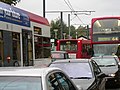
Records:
x=105, y=35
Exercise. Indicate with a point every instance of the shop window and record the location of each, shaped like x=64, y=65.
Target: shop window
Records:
x=30, y=54
x=42, y=47
x=37, y=30
x=1, y=48
x=16, y=46
x=46, y=47
x=27, y=48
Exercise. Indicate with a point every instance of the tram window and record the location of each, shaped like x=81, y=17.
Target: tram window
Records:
x=68, y=45
x=85, y=50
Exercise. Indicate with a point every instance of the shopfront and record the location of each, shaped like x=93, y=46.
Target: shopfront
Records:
x=24, y=37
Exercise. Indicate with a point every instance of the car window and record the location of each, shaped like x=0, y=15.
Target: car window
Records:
x=106, y=61
x=75, y=70
x=53, y=83
x=64, y=81
x=57, y=55
x=96, y=68
x=20, y=83
x=58, y=81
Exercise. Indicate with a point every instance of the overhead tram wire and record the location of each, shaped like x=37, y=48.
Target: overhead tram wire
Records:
x=69, y=5
x=75, y=13
x=72, y=11
x=79, y=19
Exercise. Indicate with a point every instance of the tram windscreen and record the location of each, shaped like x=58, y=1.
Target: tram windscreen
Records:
x=68, y=45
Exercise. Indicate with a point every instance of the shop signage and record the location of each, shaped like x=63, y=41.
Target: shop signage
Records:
x=13, y=15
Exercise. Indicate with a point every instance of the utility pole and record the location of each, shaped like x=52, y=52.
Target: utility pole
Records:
x=69, y=24
x=43, y=8
x=61, y=24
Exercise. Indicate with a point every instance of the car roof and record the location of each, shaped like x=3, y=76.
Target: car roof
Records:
x=72, y=60
x=106, y=56
x=58, y=52
x=26, y=71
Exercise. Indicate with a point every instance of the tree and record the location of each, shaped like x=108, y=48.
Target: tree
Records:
x=10, y=2
x=82, y=31
x=72, y=31
x=56, y=25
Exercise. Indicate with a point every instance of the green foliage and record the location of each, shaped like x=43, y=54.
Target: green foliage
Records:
x=81, y=31
x=57, y=25
x=10, y=2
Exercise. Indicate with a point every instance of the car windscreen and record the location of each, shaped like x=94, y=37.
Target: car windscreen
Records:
x=20, y=83
x=105, y=61
x=75, y=70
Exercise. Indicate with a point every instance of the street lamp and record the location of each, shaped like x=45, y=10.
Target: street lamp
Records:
x=64, y=35
x=76, y=34
x=55, y=30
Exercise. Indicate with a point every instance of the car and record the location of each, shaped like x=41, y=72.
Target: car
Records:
x=35, y=79
x=58, y=55
x=84, y=72
x=110, y=65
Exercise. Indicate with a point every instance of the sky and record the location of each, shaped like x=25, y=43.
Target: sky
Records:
x=101, y=8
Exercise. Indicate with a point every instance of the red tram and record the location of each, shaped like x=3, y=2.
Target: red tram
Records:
x=76, y=48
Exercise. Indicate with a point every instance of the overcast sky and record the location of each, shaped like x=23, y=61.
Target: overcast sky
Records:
x=101, y=7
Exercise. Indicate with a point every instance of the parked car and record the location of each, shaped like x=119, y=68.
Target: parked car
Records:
x=35, y=79
x=110, y=65
x=58, y=55
x=84, y=72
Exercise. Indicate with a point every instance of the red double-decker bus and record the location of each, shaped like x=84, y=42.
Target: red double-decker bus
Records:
x=105, y=35
x=76, y=48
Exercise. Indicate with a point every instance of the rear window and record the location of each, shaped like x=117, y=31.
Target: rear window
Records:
x=57, y=55
x=60, y=55
x=75, y=70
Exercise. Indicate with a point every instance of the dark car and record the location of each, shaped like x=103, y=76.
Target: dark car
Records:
x=58, y=55
x=110, y=65
x=83, y=72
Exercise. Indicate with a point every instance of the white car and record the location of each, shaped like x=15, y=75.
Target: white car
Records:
x=83, y=72
x=35, y=79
